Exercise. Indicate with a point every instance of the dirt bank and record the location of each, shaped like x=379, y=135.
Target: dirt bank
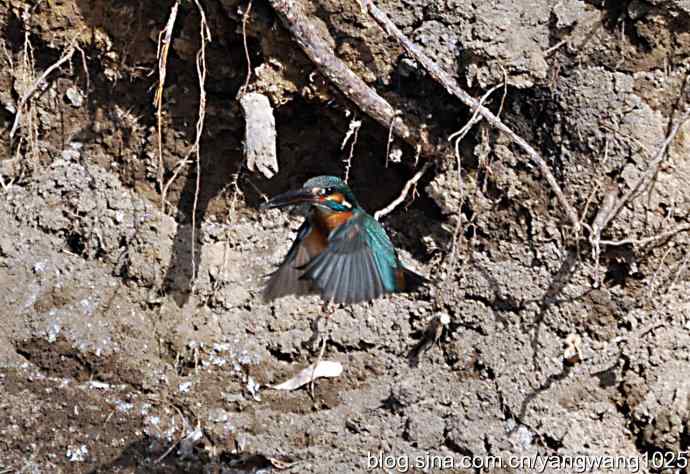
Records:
x=135, y=339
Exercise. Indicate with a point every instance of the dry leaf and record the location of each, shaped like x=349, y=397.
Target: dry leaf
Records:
x=325, y=368
x=281, y=464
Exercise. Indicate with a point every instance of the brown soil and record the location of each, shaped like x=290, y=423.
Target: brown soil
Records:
x=113, y=358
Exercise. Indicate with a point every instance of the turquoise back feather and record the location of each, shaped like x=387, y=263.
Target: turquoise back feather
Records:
x=384, y=252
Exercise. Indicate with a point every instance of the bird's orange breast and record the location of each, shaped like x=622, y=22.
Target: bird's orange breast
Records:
x=328, y=221
x=316, y=240
x=331, y=221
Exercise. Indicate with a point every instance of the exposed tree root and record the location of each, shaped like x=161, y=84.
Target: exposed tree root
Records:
x=606, y=215
x=201, y=69
x=403, y=194
x=451, y=85
x=339, y=74
x=66, y=56
x=164, y=40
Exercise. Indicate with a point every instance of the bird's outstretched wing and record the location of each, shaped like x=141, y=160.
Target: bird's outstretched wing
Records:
x=286, y=279
x=358, y=265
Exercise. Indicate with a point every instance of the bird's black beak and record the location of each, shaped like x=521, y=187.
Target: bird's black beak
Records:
x=291, y=198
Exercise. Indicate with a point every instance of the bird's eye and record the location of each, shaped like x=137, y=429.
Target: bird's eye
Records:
x=328, y=191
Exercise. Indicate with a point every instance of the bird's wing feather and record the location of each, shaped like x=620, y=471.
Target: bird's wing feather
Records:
x=358, y=265
x=285, y=280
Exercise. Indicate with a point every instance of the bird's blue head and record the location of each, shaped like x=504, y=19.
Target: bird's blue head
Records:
x=327, y=192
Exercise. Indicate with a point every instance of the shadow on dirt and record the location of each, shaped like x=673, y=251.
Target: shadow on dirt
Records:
x=139, y=458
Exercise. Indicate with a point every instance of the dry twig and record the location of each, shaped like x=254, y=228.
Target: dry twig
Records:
x=611, y=206
x=205, y=34
x=679, y=272
x=245, y=19
x=390, y=140
x=612, y=192
x=648, y=175
x=555, y=47
x=403, y=194
x=66, y=56
x=652, y=283
x=179, y=166
x=457, y=137
x=164, y=39
x=30, y=136
x=313, y=374
x=177, y=441
x=647, y=240
x=607, y=204
x=352, y=132
x=85, y=66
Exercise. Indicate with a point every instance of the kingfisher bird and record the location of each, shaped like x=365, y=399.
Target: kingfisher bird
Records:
x=340, y=252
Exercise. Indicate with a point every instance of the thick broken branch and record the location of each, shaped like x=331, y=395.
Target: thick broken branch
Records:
x=451, y=85
x=337, y=72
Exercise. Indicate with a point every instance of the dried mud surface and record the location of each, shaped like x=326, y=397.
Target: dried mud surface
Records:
x=113, y=358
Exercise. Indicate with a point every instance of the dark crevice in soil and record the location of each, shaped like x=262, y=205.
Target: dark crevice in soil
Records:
x=550, y=380
x=362, y=346
x=551, y=442
x=451, y=445
x=76, y=243
x=60, y=359
x=279, y=355
x=500, y=304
